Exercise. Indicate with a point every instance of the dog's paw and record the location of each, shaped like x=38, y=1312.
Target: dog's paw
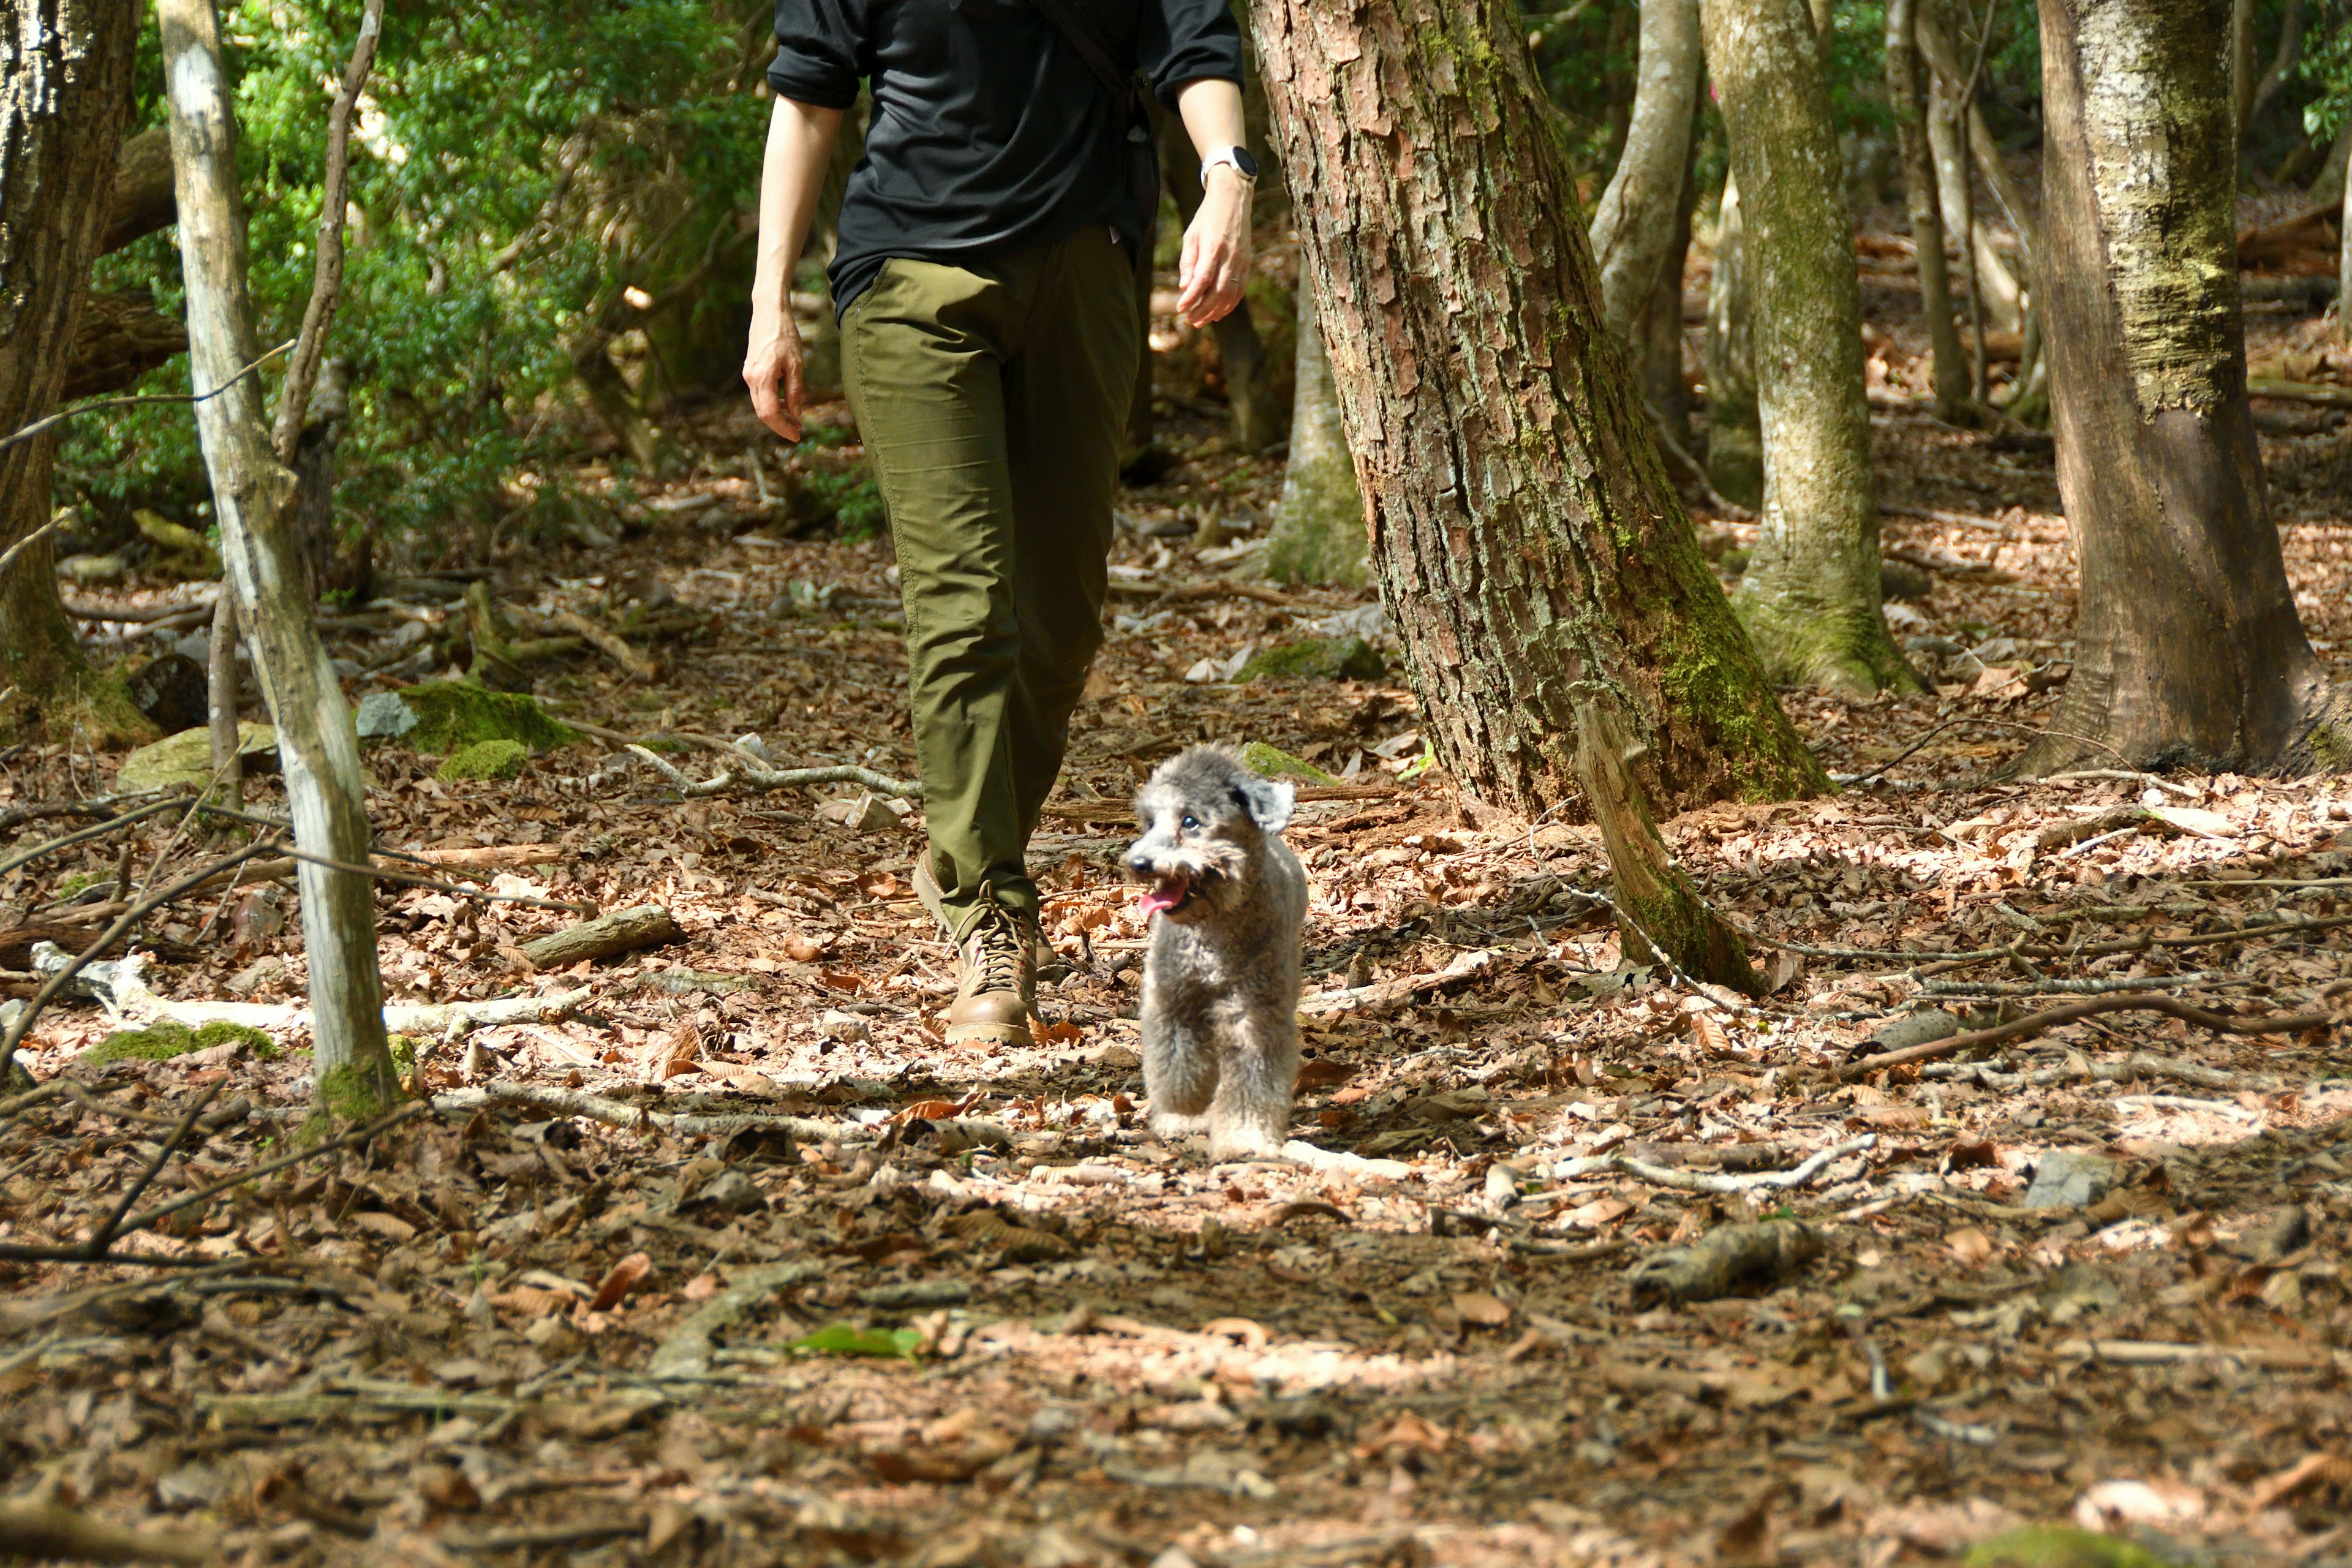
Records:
x=1171, y=1126
x=1244, y=1142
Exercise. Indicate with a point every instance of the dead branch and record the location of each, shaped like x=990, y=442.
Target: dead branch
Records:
x=623, y=931
x=686, y=1351
x=327, y=278
x=2090, y=1007
x=1725, y=1258
x=619, y=1113
x=62, y=415
x=26, y=857
x=103, y=1236
x=1719, y=1182
x=40, y=1530
x=2138, y=1065
x=609, y=643
x=2097, y=986
x=754, y=774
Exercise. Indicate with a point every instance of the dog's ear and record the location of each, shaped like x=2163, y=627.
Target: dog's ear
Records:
x=1268, y=801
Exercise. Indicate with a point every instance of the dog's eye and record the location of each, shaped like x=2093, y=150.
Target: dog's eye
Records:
x=1190, y=822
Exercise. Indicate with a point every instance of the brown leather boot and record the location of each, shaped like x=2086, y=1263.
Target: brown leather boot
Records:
x=996, y=980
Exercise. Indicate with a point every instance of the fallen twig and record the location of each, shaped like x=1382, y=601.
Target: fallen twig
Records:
x=2139, y=1065
x=754, y=774
x=103, y=1236
x=609, y=643
x=99, y=830
x=685, y=1352
x=1722, y=1259
x=98, y=404
x=46, y=1531
x=2098, y=986
x=1715, y=1181
x=620, y=1113
x=2089, y=1006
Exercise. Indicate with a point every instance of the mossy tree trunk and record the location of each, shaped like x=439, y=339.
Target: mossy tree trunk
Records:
x=1318, y=533
x=1810, y=595
x=1735, y=430
x=254, y=496
x=1922, y=194
x=2188, y=647
x=1633, y=225
x=1528, y=540
x=65, y=91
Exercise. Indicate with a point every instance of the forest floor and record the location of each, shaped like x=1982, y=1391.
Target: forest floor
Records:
x=976, y=1314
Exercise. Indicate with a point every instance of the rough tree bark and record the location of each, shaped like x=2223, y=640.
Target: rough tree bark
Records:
x=65, y=90
x=254, y=498
x=143, y=201
x=1811, y=594
x=1734, y=429
x=1659, y=332
x=1922, y=194
x=1632, y=227
x=1318, y=524
x=1525, y=535
x=2188, y=647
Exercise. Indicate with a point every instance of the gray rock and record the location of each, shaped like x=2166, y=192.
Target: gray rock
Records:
x=730, y=1192
x=1917, y=1029
x=382, y=716
x=2070, y=1178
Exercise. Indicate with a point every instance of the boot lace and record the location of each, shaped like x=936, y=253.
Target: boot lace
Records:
x=998, y=950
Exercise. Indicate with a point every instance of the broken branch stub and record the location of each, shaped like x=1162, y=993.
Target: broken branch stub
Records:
x=1657, y=905
x=1724, y=1260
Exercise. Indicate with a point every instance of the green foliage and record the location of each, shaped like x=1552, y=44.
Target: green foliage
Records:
x=848, y=1339
x=485, y=760
x=853, y=498
x=1274, y=763
x=1317, y=659
x=2327, y=72
x=2057, y=1546
x=163, y=1040
x=514, y=169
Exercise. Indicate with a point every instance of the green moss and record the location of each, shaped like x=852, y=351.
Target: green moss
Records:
x=454, y=714
x=351, y=1093
x=2056, y=1546
x=2328, y=748
x=165, y=1038
x=1318, y=659
x=1274, y=763
x=1705, y=678
x=485, y=760
x=403, y=1053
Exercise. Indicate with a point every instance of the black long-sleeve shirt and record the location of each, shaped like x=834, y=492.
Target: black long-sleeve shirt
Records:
x=989, y=132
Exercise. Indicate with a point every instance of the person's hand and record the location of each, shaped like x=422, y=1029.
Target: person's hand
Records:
x=771, y=368
x=1216, y=260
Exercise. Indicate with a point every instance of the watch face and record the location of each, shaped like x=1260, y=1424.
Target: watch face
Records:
x=1245, y=162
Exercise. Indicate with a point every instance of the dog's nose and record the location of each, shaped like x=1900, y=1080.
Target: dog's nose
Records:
x=1139, y=865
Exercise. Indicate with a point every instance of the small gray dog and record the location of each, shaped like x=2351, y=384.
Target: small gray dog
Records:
x=1221, y=976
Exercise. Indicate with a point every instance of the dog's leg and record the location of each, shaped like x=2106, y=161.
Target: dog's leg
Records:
x=1179, y=1072
x=1250, y=1117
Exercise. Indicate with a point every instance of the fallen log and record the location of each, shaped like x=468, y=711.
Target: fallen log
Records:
x=38, y=1531
x=2090, y=1007
x=1725, y=1258
x=609, y=643
x=623, y=931
x=620, y=1113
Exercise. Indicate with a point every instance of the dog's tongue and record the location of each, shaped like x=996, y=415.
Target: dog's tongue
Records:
x=1165, y=894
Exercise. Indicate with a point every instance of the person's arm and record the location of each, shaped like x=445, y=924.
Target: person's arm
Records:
x=1216, y=258
x=800, y=150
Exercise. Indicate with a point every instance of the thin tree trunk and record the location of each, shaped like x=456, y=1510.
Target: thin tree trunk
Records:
x=2242, y=66
x=1943, y=122
x=1735, y=430
x=2188, y=647
x=2344, y=267
x=2283, y=61
x=1318, y=524
x=1922, y=194
x=65, y=91
x=1661, y=327
x=220, y=700
x=254, y=498
x=1528, y=540
x=1811, y=594
x=1632, y=228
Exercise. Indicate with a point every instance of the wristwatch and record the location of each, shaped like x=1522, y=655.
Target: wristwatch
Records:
x=1237, y=157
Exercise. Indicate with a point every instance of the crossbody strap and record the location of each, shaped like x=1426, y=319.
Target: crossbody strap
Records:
x=1066, y=19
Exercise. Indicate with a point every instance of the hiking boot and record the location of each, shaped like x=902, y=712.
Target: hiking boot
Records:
x=996, y=980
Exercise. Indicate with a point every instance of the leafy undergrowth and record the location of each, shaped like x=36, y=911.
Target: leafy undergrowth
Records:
x=975, y=1314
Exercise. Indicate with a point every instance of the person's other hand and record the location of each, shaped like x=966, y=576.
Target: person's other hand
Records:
x=771, y=368
x=1216, y=259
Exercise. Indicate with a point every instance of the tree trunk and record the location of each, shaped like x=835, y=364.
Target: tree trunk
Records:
x=65, y=90
x=1735, y=430
x=2283, y=60
x=142, y=200
x=2188, y=648
x=1660, y=330
x=1318, y=524
x=1633, y=227
x=119, y=338
x=2241, y=68
x=1945, y=128
x=254, y=499
x=1922, y=194
x=1528, y=540
x=2344, y=267
x=1810, y=595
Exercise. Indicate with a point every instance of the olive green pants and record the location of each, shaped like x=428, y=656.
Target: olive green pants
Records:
x=990, y=398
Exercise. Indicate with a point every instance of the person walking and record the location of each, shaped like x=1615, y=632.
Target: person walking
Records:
x=985, y=278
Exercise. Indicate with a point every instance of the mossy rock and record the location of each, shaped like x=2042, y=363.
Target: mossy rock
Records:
x=165, y=1038
x=186, y=758
x=454, y=714
x=1318, y=659
x=1274, y=763
x=2057, y=1546
x=485, y=760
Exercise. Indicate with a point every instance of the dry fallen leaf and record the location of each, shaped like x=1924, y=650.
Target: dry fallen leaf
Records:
x=623, y=1278
x=1481, y=1311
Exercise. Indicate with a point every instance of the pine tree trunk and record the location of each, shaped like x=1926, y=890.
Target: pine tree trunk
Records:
x=1632, y=227
x=1810, y=595
x=2188, y=647
x=1526, y=539
x=1922, y=193
x=253, y=496
x=65, y=91
x=1734, y=429
x=1318, y=524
